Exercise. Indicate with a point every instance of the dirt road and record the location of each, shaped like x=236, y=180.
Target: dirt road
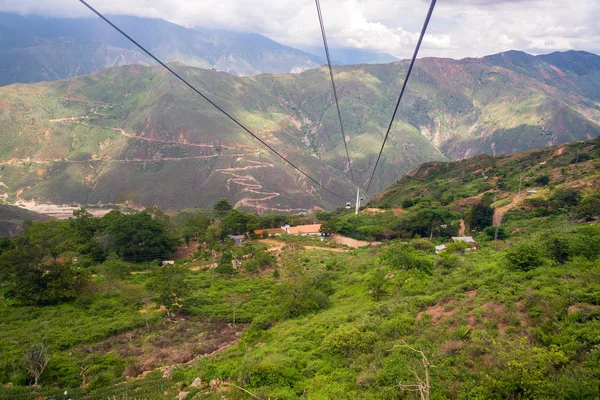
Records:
x=500, y=211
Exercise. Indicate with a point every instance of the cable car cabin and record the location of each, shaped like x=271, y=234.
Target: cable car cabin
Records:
x=348, y=206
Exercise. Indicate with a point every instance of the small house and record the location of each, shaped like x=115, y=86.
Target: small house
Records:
x=532, y=191
x=467, y=239
x=303, y=230
x=440, y=248
x=238, y=239
x=167, y=262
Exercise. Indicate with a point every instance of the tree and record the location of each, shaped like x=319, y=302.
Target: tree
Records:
x=168, y=286
x=36, y=358
x=542, y=180
x=51, y=238
x=479, y=216
x=48, y=284
x=376, y=284
x=195, y=225
x=222, y=207
x=114, y=269
x=565, y=198
x=525, y=256
x=235, y=301
x=5, y=244
x=589, y=207
x=235, y=222
x=427, y=221
x=158, y=215
x=213, y=234
x=491, y=232
x=298, y=294
x=138, y=237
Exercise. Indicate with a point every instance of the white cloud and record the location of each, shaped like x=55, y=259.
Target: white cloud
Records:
x=459, y=28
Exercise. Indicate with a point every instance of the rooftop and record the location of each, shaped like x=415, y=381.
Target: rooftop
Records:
x=303, y=229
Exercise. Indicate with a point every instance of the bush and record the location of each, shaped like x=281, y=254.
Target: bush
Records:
x=565, y=198
x=407, y=258
x=490, y=232
x=589, y=208
x=423, y=244
x=542, y=180
x=345, y=339
x=448, y=260
x=525, y=256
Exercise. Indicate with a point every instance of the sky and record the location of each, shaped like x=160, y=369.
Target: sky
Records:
x=458, y=29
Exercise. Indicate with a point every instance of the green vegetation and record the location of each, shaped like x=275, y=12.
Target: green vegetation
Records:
x=287, y=317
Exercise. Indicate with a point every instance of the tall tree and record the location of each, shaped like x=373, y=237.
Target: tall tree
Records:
x=480, y=216
x=222, y=207
x=138, y=236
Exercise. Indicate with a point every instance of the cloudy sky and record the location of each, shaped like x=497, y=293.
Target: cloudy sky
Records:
x=459, y=28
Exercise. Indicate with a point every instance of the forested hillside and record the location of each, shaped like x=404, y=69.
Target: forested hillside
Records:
x=513, y=315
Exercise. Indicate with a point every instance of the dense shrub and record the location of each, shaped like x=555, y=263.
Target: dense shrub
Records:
x=403, y=256
x=448, y=260
x=490, y=232
x=565, y=198
x=524, y=256
x=50, y=284
x=589, y=207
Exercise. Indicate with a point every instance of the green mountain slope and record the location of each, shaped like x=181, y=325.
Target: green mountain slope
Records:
x=12, y=218
x=573, y=165
x=134, y=134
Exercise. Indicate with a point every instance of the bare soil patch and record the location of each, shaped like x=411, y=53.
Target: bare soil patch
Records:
x=355, y=244
x=186, y=251
x=178, y=341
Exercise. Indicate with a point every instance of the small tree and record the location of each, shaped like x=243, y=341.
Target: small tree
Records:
x=422, y=387
x=36, y=358
x=376, y=284
x=168, y=286
x=235, y=301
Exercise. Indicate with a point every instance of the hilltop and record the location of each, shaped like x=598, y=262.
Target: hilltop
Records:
x=134, y=135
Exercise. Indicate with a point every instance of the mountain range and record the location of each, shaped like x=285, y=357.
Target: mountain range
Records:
x=37, y=49
x=135, y=135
